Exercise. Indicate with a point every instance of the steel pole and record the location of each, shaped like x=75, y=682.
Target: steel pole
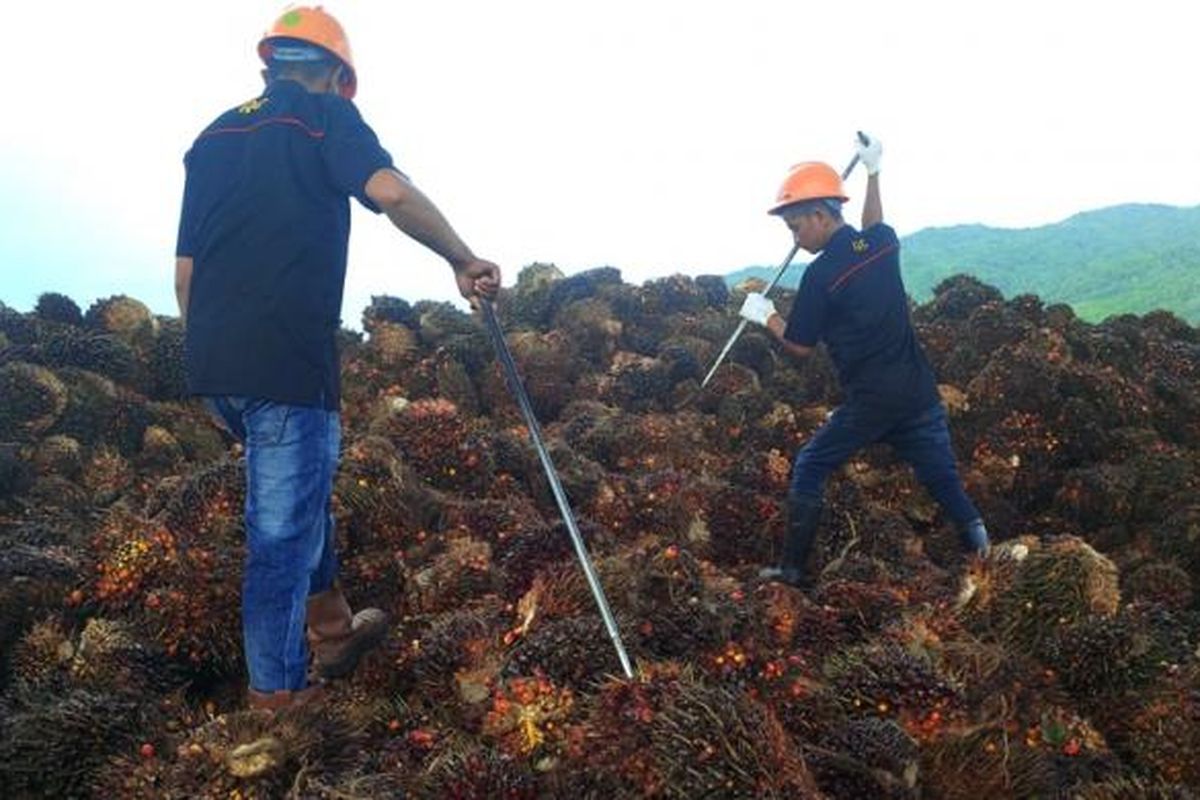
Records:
x=564, y=507
x=742, y=325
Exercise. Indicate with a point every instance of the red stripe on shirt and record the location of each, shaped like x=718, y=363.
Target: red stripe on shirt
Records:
x=269, y=121
x=845, y=276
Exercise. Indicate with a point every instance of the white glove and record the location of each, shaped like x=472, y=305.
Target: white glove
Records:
x=757, y=309
x=870, y=153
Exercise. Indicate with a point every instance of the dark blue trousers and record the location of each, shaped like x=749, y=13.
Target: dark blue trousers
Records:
x=921, y=439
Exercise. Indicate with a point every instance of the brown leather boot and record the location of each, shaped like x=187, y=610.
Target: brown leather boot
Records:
x=337, y=638
x=277, y=701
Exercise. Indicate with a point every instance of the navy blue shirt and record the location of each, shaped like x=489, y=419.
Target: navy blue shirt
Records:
x=266, y=220
x=852, y=298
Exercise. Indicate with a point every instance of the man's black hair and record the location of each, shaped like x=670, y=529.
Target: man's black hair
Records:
x=295, y=58
x=830, y=205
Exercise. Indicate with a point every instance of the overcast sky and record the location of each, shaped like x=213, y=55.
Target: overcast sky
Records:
x=648, y=135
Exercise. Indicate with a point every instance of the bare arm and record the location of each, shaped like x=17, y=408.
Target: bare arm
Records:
x=776, y=325
x=415, y=214
x=872, y=205
x=183, y=285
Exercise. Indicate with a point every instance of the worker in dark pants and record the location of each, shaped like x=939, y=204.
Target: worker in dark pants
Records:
x=852, y=298
x=259, y=273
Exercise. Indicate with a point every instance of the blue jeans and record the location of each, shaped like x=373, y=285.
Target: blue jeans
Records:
x=291, y=458
x=921, y=439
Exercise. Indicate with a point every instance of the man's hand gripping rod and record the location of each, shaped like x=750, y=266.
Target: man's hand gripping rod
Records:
x=778, y=276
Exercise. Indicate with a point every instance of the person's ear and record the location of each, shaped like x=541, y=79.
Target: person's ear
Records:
x=335, y=79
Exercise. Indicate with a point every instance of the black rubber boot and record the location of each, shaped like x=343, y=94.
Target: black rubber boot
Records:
x=974, y=538
x=804, y=513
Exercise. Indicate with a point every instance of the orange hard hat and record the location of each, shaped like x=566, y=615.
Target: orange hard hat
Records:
x=809, y=180
x=314, y=25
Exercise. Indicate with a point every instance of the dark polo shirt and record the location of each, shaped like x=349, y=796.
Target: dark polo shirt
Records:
x=266, y=220
x=852, y=298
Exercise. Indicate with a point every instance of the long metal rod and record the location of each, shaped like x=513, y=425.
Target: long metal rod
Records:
x=778, y=276
x=742, y=325
x=560, y=496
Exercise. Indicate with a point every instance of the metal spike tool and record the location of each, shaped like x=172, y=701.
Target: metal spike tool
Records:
x=778, y=276
x=564, y=507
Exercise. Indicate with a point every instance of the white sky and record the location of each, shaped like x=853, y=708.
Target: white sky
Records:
x=646, y=135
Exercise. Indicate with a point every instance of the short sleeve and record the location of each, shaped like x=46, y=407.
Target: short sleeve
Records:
x=806, y=323
x=882, y=235
x=185, y=237
x=352, y=151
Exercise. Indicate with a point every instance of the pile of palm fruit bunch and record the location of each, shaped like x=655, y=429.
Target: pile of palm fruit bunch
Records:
x=1064, y=664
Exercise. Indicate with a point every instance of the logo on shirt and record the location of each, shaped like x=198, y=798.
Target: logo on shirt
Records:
x=250, y=106
x=859, y=245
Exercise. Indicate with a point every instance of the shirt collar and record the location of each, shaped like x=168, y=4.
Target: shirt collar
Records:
x=839, y=238
x=285, y=86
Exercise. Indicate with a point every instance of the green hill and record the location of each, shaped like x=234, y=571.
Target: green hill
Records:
x=1121, y=259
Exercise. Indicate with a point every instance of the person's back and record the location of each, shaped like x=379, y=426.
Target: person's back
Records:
x=267, y=220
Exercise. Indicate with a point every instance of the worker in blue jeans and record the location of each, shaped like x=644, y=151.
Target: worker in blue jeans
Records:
x=291, y=558
x=259, y=271
x=852, y=298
